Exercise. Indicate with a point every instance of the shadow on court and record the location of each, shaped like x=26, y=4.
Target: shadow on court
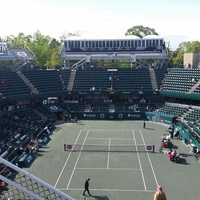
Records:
x=183, y=161
x=79, y=123
x=186, y=155
x=150, y=129
x=96, y=197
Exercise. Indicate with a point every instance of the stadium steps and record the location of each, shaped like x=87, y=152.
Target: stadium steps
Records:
x=78, y=64
x=194, y=87
x=61, y=79
x=186, y=113
x=28, y=83
x=154, y=83
x=71, y=80
x=111, y=108
x=142, y=63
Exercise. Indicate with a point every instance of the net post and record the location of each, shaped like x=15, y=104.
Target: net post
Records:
x=64, y=147
x=153, y=148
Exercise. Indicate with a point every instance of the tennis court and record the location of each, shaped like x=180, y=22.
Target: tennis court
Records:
x=114, y=156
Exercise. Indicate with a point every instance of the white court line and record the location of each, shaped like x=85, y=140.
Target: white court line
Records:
x=66, y=161
x=145, y=188
x=107, y=190
x=159, y=123
x=117, y=169
x=110, y=138
x=149, y=160
x=77, y=160
x=108, y=160
x=110, y=130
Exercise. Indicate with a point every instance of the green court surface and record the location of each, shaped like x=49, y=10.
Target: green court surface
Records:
x=116, y=175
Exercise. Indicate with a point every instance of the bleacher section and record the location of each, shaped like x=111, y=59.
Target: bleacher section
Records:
x=13, y=84
x=121, y=80
x=126, y=80
x=181, y=80
x=176, y=110
x=160, y=74
x=193, y=115
x=65, y=76
x=86, y=79
x=45, y=81
x=17, y=129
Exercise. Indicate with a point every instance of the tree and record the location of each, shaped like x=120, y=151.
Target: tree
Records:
x=141, y=31
x=18, y=41
x=54, y=59
x=185, y=47
x=65, y=35
x=45, y=48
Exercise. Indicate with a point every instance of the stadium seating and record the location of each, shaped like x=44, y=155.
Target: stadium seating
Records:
x=30, y=121
x=121, y=80
x=12, y=84
x=160, y=74
x=45, y=81
x=130, y=79
x=86, y=79
x=180, y=80
x=18, y=128
x=65, y=76
x=194, y=115
x=176, y=110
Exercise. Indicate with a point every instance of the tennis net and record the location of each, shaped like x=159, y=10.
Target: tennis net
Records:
x=110, y=148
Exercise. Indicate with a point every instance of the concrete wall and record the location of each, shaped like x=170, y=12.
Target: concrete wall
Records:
x=192, y=59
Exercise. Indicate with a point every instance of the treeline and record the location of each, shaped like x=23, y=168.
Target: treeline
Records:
x=47, y=49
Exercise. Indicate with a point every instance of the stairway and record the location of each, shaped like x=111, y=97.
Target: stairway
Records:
x=111, y=108
x=192, y=89
x=78, y=64
x=185, y=114
x=28, y=83
x=142, y=63
x=71, y=80
x=154, y=83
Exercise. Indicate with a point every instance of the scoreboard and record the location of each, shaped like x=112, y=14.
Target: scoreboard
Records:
x=3, y=48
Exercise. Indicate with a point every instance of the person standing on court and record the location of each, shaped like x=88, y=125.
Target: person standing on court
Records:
x=87, y=187
x=75, y=119
x=159, y=194
x=144, y=123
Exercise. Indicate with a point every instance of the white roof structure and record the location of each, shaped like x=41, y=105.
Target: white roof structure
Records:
x=152, y=37
x=131, y=37
x=127, y=37
x=75, y=38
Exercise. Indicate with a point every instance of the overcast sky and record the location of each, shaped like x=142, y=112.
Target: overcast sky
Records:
x=175, y=20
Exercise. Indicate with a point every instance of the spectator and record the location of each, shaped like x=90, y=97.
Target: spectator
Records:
x=5, y=82
x=10, y=149
x=159, y=194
